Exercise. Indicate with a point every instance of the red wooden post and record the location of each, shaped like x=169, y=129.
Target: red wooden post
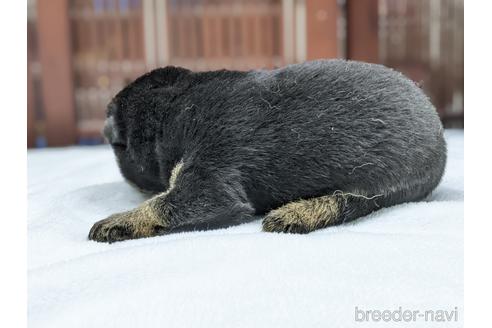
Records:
x=321, y=29
x=31, y=133
x=56, y=66
x=362, y=30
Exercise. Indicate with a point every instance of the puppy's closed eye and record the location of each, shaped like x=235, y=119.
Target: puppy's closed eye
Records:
x=118, y=146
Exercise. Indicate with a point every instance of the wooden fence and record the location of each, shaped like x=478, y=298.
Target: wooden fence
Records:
x=107, y=53
x=424, y=39
x=215, y=34
x=101, y=45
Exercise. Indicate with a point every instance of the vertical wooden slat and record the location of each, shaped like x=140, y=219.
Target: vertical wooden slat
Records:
x=258, y=38
x=268, y=23
x=137, y=33
x=180, y=33
x=277, y=35
x=219, y=46
x=287, y=30
x=362, y=30
x=248, y=40
x=322, y=39
x=300, y=23
x=186, y=31
x=132, y=35
x=162, y=28
x=117, y=18
x=246, y=36
x=31, y=133
x=199, y=33
x=57, y=82
x=31, y=58
x=207, y=34
x=192, y=33
x=234, y=34
x=149, y=33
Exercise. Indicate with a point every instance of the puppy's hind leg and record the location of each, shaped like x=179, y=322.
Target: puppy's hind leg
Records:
x=307, y=215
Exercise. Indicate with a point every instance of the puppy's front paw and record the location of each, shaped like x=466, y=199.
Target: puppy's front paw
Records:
x=138, y=223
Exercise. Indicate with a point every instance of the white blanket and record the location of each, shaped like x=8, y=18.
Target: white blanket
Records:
x=407, y=257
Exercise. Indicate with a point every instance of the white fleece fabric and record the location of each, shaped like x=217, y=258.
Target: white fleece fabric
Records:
x=407, y=257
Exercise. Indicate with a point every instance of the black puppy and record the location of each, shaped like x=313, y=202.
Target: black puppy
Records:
x=311, y=145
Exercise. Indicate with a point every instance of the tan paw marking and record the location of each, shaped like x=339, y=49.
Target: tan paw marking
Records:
x=138, y=223
x=303, y=216
x=147, y=220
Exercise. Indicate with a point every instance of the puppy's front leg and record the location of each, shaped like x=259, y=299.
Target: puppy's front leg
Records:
x=149, y=219
x=194, y=200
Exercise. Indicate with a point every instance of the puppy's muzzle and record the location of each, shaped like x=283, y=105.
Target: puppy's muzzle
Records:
x=110, y=129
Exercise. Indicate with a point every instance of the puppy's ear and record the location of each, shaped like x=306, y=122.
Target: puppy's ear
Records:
x=168, y=76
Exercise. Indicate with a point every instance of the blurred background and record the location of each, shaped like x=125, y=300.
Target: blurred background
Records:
x=82, y=52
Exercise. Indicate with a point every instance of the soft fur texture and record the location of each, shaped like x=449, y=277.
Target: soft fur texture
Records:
x=346, y=137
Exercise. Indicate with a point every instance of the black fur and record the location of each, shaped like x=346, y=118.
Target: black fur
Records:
x=253, y=141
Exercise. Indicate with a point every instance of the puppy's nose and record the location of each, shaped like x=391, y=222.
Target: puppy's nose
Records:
x=109, y=123
x=108, y=130
x=111, y=133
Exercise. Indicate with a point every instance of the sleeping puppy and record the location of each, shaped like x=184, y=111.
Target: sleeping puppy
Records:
x=310, y=145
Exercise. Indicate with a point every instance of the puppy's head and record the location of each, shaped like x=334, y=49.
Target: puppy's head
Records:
x=134, y=122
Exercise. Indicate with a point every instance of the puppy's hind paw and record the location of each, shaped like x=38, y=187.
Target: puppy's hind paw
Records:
x=303, y=216
x=276, y=222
